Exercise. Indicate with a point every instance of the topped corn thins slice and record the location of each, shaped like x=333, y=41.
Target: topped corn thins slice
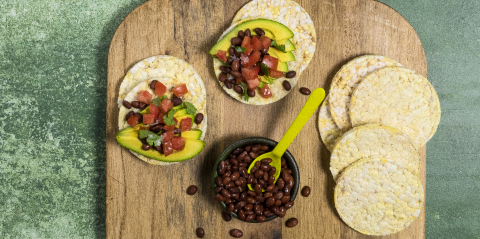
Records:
x=375, y=196
x=397, y=97
x=347, y=79
x=329, y=131
x=374, y=140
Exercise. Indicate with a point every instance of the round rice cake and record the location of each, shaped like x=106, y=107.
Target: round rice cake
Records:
x=375, y=196
x=294, y=17
x=347, y=79
x=374, y=140
x=329, y=131
x=397, y=97
x=198, y=100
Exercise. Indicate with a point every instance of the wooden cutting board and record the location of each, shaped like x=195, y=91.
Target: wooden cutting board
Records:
x=146, y=201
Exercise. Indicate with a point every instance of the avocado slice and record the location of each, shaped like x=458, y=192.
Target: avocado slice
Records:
x=288, y=45
x=192, y=134
x=282, y=66
x=278, y=31
x=128, y=138
x=281, y=56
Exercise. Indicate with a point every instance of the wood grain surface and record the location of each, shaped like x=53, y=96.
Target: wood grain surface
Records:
x=146, y=201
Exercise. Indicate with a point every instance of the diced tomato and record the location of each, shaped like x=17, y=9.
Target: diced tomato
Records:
x=180, y=90
x=186, y=124
x=144, y=96
x=154, y=110
x=176, y=121
x=132, y=120
x=249, y=61
x=160, y=89
x=142, y=128
x=160, y=118
x=167, y=136
x=250, y=73
x=247, y=45
x=265, y=91
x=148, y=119
x=238, y=81
x=222, y=55
x=178, y=143
x=169, y=127
x=265, y=42
x=256, y=44
x=167, y=147
x=253, y=84
x=271, y=62
x=166, y=105
x=276, y=74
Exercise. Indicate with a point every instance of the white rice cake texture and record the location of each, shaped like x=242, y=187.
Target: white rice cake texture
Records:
x=375, y=196
x=374, y=140
x=294, y=17
x=347, y=79
x=329, y=131
x=397, y=97
x=170, y=83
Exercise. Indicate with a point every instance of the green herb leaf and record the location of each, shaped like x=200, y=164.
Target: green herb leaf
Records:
x=240, y=49
x=264, y=68
x=190, y=108
x=246, y=97
x=168, y=118
x=158, y=101
x=227, y=65
x=279, y=47
x=152, y=138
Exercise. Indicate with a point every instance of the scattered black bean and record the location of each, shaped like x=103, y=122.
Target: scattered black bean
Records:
x=135, y=104
x=127, y=104
x=286, y=85
x=290, y=74
x=226, y=216
x=192, y=190
x=198, y=118
x=306, y=191
x=305, y=91
x=259, y=32
x=177, y=101
x=200, y=232
x=236, y=233
x=152, y=84
x=291, y=222
x=238, y=89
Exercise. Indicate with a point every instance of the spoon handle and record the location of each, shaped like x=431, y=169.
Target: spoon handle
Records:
x=308, y=109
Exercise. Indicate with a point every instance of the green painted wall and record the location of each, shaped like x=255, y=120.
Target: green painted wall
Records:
x=53, y=67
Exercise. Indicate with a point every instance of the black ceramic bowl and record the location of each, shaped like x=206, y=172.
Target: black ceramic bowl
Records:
x=258, y=140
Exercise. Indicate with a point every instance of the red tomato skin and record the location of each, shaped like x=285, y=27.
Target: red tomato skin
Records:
x=144, y=96
x=265, y=91
x=253, y=84
x=222, y=55
x=180, y=90
x=167, y=136
x=148, y=119
x=186, y=124
x=178, y=143
x=265, y=42
x=276, y=74
x=132, y=120
x=167, y=147
x=160, y=118
x=169, y=127
x=247, y=45
x=256, y=44
x=160, y=89
x=154, y=110
x=271, y=62
x=249, y=61
x=250, y=73
x=166, y=105
x=238, y=80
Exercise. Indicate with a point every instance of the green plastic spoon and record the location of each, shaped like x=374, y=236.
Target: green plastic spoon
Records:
x=310, y=106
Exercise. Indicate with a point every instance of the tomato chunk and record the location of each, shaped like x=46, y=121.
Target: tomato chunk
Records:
x=222, y=55
x=256, y=44
x=186, y=124
x=253, y=84
x=148, y=119
x=169, y=127
x=265, y=91
x=167, y=136
x=265, y=42
x=132, y=120
x=154, y=110
x=144, y=96
x=160, y=89
x=271, y=62
x=247, y=45
x=250, y=73
x=167, y=148
x=160, y=118
x=180, y=90
x=166, y=105
x=178, y=143
x=276, y=74
x=249, y=61
x=238, y=80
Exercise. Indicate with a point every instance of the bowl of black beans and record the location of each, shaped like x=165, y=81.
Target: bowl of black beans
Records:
x=230, y=180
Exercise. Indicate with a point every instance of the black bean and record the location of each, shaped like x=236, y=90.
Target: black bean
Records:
x=128, y=115
x=226, y=216
x=237, y=151
x=231, y=51
x=286, y=85
x=127, y=104
x=199, y=118
x=306, y=191
x=260, y=218
x=259, y=32
x=291, y=74
x=223, y=69
x=146, y=147
x=192, y=190
x=236, y=41
x=291, y=222
x=152, y=84
x=248, y=33
x=249, y=218
x=219, y=197
x=238, y=89
x=251, y=93
x=156, y=128
x=264, y=51
x=230, y=60
x=305, y=91
x=241, y=34
x=139, y=116
x=228, y=84
x=177, y=131
x=142, y=105
x=236, y=65
x=200, y=232
x=288, y=205
x=135, y=104
x=222, y=77
x=159, y=149
x=222, y=168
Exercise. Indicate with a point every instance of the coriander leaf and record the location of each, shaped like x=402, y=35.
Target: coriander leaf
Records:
x=265, y=69
x=190, y=108
x=168, y=118
x=246, y=97
x=279, y=47
x=152, y=138
x=240, y=49
x=158, y=101
x=144, y=133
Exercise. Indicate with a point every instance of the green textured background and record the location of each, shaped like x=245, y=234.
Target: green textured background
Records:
x=53, y=70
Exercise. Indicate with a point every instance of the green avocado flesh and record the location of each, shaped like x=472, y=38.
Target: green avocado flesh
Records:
x=128, y=138
x=281, y=56
x=277, y=30
x=282, y=66
x=192, y=134
x=288, y=45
